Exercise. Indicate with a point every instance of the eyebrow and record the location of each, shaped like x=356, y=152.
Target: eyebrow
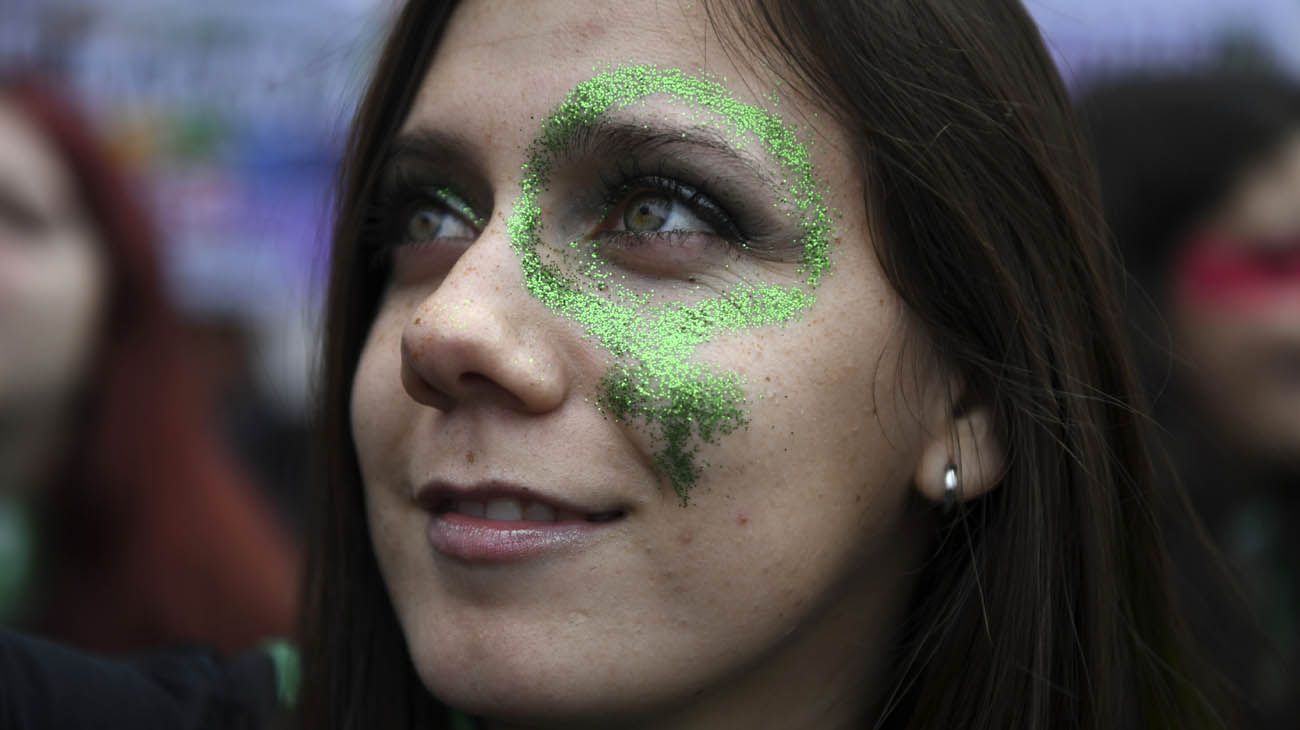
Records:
x=606, y=137
x=432, y=145
x=616, y=137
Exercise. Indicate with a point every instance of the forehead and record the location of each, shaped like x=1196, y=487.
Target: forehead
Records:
x=503, y=65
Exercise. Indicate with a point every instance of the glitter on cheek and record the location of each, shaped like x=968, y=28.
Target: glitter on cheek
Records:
x=653, y=379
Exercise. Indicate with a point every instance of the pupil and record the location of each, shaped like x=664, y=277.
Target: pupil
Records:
x=647, y=212
x=424, y=225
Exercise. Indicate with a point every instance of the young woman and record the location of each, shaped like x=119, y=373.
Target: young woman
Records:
x=1200, y=176
x=729, y=365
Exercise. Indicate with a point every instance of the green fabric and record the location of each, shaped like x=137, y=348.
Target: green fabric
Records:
x=17, y=557
x=288, y=670
x=461, y=721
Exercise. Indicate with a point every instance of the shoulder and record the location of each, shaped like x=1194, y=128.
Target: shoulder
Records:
x=48, y=686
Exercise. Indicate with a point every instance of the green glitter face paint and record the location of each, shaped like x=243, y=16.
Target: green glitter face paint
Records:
x=653, y=380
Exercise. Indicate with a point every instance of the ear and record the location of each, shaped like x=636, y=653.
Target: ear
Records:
x=964, y=438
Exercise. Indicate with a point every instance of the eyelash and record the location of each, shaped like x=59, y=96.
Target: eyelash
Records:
x=394, y=201
x=630, y=178
x=400, y=196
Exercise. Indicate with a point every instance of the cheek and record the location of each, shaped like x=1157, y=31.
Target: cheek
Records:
x=379, y=405
x=833, y=406
x=820, y=478
x=1230, y=349
x=53, y=302
x=382, y=418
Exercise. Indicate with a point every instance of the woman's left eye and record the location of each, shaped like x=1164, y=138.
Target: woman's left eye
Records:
x=664, y=208
x=656, y=212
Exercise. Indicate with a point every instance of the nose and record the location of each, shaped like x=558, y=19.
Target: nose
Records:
x=479, y=337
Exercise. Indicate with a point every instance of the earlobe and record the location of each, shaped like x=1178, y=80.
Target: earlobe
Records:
x=968, y=444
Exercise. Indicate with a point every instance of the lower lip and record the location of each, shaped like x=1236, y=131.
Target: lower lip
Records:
x=498, y=541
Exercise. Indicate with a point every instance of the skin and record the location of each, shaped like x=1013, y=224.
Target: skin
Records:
x=1244, y=362
x=769, y=601
x=52, y=285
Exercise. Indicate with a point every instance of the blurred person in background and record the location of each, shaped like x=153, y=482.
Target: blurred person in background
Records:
x=1201, y=184
x=124, y=523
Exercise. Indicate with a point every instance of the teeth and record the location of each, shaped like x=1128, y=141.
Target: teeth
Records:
x=538, y=512
x=514, y=510
x=504, y=509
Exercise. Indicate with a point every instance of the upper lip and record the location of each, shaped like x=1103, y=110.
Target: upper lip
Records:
x=435, y=493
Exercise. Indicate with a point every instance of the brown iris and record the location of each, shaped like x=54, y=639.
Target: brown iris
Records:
x=424, y=224
x=647, y=212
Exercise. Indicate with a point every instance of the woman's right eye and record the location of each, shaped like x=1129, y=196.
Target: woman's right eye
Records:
x=443, y=216
x=434, y=223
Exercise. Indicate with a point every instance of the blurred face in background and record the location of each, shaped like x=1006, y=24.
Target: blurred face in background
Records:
x=1237, y=310
x=52, y=279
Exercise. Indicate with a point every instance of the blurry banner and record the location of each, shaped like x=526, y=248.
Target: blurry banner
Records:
x=1100, y=37
x=233, y=113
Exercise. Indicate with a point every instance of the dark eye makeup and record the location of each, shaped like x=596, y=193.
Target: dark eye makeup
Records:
x=655, y=216
x=630, y=180
x=413, y=204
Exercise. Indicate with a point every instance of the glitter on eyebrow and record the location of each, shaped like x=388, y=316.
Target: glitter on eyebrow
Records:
x=654, y=379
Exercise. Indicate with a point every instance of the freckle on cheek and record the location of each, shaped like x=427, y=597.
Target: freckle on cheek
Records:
x=742, y=519
x=469, y=456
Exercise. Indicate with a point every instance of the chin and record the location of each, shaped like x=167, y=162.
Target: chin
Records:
x=534, y=686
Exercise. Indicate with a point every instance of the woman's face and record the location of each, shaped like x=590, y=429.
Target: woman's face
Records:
x=51, y=277
x=1237, y=310
x=629, y=448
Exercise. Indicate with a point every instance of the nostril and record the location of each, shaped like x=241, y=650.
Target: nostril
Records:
x=422, y=390
x=483, y=386
x=473, y=379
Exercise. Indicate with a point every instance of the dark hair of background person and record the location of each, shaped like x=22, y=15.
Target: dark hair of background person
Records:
x=1043, y=604
x=150, y=532
x=1170, y=147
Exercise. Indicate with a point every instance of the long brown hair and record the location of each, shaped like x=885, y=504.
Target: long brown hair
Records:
x=1044, y=604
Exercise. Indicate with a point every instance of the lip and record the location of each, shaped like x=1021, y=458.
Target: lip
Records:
x=472, y=537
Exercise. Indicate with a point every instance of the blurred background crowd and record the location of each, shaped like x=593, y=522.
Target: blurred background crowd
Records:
x=164, y=206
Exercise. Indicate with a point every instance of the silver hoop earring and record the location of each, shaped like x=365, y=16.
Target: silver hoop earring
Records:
x=951, y=487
